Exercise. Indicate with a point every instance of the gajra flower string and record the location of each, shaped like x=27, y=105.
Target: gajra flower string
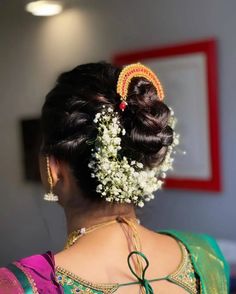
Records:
x=120, y=179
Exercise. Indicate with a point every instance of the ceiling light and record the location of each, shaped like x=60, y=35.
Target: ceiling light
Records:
x=44, y=8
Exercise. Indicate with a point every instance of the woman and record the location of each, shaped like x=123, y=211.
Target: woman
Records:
x=107, y=144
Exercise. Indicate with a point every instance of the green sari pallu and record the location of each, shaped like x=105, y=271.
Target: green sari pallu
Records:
x=208, y=261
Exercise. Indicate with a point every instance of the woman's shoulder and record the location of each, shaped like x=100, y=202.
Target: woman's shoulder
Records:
x=207, y=258
x=31, y=274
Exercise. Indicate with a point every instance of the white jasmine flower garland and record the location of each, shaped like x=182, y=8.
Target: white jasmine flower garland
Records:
x=119, y=179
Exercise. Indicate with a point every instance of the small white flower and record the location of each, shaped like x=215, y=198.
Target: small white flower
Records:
x=152, y=196
x=99, y=187
x=139, y=164
x=163, y=175
x=141, y=204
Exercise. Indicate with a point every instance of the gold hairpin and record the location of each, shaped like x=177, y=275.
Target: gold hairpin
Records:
x=132, y=71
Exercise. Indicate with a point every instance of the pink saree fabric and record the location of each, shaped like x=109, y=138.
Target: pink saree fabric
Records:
x=39, y=269
x=9, y=283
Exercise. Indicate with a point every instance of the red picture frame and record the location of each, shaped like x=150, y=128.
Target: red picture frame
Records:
x=209, y=49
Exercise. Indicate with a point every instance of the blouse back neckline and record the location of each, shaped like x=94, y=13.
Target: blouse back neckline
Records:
x=184, y=276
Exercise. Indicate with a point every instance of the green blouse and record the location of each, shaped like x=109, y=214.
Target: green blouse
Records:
x=202, y=270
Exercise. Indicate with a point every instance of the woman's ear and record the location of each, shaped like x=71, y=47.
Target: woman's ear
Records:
x=55, y=169
x=63, y=181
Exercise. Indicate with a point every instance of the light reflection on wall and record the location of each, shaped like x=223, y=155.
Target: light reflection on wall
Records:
x=69, y=38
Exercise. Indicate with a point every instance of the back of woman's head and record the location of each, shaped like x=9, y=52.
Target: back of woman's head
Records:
x=69, y=130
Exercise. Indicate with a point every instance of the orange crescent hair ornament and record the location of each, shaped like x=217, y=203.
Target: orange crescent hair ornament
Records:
x=133, y=71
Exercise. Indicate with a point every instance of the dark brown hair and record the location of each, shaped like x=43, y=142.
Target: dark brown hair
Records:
x=70, y=107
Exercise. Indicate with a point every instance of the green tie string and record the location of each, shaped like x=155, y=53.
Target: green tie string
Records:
x=144, y=282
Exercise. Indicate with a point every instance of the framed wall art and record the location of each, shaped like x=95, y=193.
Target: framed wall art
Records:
x=188, y=73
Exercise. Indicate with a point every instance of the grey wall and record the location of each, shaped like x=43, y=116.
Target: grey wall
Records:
x=34, y=50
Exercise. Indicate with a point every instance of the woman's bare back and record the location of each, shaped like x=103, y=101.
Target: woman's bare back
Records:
x=101, y=257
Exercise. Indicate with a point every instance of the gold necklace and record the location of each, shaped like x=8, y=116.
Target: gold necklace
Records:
x=135, y=240
x=75, y=235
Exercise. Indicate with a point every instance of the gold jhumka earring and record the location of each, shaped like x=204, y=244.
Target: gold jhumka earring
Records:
x=50, y=196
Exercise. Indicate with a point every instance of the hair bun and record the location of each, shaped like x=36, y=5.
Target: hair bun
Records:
x=146, y=122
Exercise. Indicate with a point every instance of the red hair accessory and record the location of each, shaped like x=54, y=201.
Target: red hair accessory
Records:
x=123, y=105
x=132, y=71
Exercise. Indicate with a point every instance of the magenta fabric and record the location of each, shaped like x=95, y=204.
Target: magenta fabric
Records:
x=42, y=269
x=39, y=268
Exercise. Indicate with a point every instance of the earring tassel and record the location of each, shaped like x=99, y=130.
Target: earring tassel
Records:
x=50, y=197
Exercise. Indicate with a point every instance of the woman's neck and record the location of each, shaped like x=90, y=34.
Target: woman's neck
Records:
x=86, y=216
